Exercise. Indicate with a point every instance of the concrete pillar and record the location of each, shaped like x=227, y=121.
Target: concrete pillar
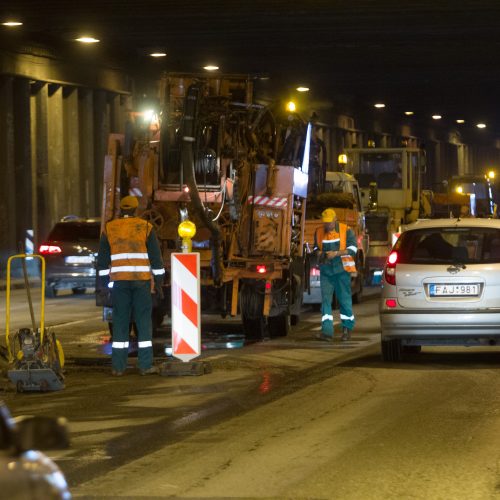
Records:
x=72, y=177
x=101, y=133
x=22, y=159
x=42, y=221
x=8, y=244
x=89, y=198
x=57, y=192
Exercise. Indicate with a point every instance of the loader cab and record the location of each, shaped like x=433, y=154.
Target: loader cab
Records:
x=394, y=171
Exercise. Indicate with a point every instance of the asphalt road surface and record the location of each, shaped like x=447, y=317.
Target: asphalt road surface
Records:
x=287, y=418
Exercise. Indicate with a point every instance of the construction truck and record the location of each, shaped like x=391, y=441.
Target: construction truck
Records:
x=390, y=184
x=340, y=192
x=435, y=204
x=239, y=171
x=467, y=195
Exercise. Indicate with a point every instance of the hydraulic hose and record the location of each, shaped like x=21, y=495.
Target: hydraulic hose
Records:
x=188, y=141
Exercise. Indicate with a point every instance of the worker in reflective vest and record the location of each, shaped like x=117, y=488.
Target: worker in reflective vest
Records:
x=130, y=260
x=336, y=247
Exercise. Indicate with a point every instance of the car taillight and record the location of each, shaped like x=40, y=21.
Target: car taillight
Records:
x=261, y=269
x=390, y=268
x=49, y=249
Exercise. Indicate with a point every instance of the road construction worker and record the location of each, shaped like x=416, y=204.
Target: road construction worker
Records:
x=335, y=245
x=130, y=260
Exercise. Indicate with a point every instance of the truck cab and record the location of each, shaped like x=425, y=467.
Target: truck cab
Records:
x=390, y=183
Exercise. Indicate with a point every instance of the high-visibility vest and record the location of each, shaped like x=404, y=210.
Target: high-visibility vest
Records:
x=347, y=260
x=129, y=255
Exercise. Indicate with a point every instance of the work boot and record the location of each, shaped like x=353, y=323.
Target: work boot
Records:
x=346, y=334
x=326, y=338
x=150, y=371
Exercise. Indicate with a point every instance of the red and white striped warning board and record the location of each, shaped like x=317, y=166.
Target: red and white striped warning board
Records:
x=186, y=323
x=269, y=201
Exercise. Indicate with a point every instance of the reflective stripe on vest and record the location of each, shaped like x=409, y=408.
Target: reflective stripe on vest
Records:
x=129, y=255
x=347, y=260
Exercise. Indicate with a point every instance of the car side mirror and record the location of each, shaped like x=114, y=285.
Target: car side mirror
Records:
x=41, y=433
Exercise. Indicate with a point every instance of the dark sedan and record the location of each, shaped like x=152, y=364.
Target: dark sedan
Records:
x=70, y=252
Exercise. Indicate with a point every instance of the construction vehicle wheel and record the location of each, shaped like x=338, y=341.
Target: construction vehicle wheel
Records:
x=254, y=329
x=279, y=326
x=154, y=217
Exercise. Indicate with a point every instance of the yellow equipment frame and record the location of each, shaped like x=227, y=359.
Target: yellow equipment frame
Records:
x=7, y=299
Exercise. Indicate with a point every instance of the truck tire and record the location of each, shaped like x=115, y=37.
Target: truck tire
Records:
x=254, y=328
x=279, y=326
x=251, y=307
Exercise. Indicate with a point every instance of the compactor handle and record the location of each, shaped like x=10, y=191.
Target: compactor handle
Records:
x=7, y=297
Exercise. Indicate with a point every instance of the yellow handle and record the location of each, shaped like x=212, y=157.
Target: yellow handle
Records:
x=7, y=299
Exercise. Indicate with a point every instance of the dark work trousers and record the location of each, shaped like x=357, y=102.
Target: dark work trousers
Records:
x=132, y=302
x=340, y=284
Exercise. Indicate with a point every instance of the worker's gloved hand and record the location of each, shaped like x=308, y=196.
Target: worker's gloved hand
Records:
x=159, y=289
x=322, y=258
x=103, y=291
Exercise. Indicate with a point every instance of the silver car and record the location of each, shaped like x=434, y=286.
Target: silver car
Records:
x=441, y=286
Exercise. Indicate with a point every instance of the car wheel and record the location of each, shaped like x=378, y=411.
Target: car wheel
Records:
x=412, y=349
x=391, y=350
x=78, y=291
x=50, y=291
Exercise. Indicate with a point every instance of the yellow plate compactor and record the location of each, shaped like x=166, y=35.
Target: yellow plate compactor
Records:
x=35, y=355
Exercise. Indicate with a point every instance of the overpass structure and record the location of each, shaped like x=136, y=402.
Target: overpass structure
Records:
x=57, y=110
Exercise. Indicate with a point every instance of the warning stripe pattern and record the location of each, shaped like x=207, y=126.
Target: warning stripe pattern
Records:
x=275, y=201
x=185, y=307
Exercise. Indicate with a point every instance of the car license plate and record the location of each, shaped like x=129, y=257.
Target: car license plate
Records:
x=455, y=290
x=79, y=259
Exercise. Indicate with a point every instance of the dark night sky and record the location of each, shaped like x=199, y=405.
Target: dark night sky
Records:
x=437, y=56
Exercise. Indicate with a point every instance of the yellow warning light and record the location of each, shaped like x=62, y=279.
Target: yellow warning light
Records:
x=460, y=189
x=491, y=174
x=290, y=106
x=186, y=231
x=371, y=143
x=342, y=159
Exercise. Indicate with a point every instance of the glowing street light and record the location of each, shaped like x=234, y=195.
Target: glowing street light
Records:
x=481, y=125
x=409, y=113
x=158, y=54
x=491, y=174
x=210, y=67
x=12, y=23
x=291, y=106
x=302, y=89
x=87, y=39
x=379, y=105
x=460, y=120
x=436, y=117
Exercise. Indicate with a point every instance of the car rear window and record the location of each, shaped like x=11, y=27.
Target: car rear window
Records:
x=75, y=231
x=471, y=245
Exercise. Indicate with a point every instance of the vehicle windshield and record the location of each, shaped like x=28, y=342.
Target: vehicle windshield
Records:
x=75, y=231
x=464, y=245
x=383, y=168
